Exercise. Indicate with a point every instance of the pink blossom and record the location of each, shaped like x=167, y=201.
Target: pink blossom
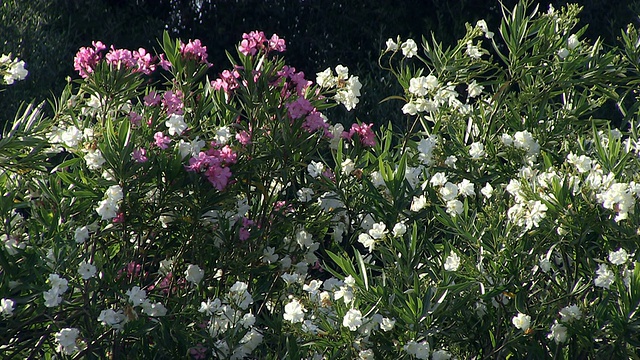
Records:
x=243, y=137
x=213, y=163
x=140, y=155
x=329, y=174
x=366, y=135
x=299, y=108
x=314, y=121
x=279, y=205
x=301, y=83
x=120, y=58
x=287, y=71
x=98, y=45
x=244, y=234
x=161, y=140
x=227, y=81
x=218, y=176
x=172, y=102
x=87, y=58
x=252, y=42
x=202, y=162
x=144, y=61
x=256, y=75
x=135, y=118
x=164, y=63
x=132, y=269
x=245, y=230
x=119, y=219
x=152, y=99
x=164, y=284
x=277, y=44
x=198, y=352
x=194, y=50
x=227, y=155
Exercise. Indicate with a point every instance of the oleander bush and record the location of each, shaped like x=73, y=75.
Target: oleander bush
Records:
x=167, y=211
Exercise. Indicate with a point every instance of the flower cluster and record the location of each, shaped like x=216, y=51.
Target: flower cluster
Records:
x=347, y=87
x=88, y=58
x=53, y=296
x=229, y=315
x=67, y=340
x=109, y=206
x=214, y=164
x=256, y=41
x=12, y=69
x=193, y=50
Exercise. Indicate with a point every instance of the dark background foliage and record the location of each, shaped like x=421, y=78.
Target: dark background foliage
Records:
x=319, y=33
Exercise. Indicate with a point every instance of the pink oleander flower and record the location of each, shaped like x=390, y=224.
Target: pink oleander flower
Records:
x=132, y=270
x=194, y=50
x=214, y=165
x=245, y=230
x=227, y=81
x=256, y=75
x=119, y=219
x=202, y=162
x=161, y=140
x=328, y=173
x=314, y=121
x=277, y=44
x=98, y=46
x=120, y=58
x=135, y=118
x=252, y=42
x=172, y=102
x=152, y=99
x=144, y=61
x=164, y=63
x=198, y=352
x=243, y=137
x=227, y=155
x=301, y=83
x=287, y=71
x=366, y=135
x=218, y=176
x=87, y=58
x=279, y=205
x=140, y=155
x=164, y=284
x=299, y=108
x=297, y=78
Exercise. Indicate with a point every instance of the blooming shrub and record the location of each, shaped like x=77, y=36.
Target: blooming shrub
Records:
x=224, y=216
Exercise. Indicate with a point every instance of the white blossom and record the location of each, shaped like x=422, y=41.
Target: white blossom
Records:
x=476, y=150
x=409, y=48
x=618, y=257
x=521, y=321
x=558, y=332
x=452, y=263
x=570, y=313
x=294, y=312
x=86, y=270
x=391, y=45
x=352, y=319
x=6, y=307
x=176, y=124
x=605, y=276
x=418, y=203
x=66, y=339
x=194, y=274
